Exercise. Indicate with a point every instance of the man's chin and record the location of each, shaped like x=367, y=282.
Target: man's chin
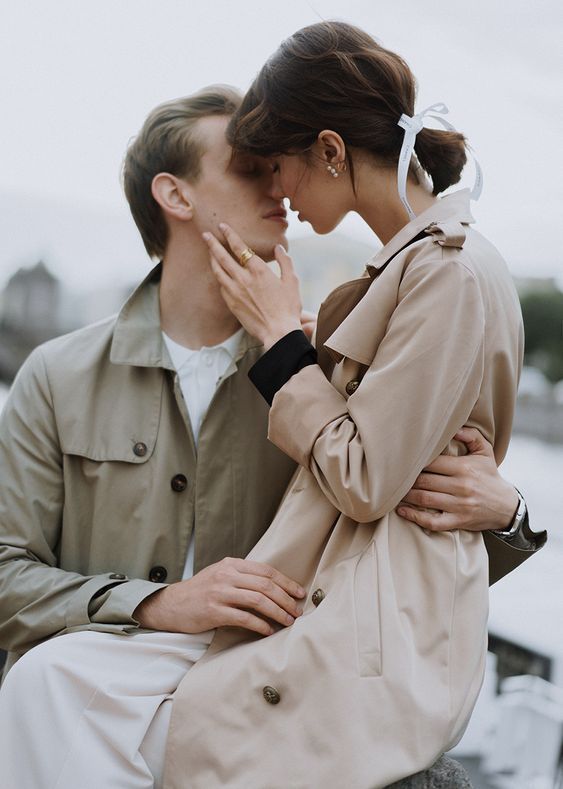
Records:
x=266, y=249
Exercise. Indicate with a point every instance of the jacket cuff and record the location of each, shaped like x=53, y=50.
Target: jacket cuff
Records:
x=285, y=358
x=109, y=600
x=297, y=419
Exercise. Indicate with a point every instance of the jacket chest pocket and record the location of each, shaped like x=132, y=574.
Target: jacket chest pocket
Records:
x=367, y=613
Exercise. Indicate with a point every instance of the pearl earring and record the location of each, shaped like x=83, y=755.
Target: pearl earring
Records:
x=332, y=170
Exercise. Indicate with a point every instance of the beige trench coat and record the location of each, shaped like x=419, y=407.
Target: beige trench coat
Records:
x=380, y=674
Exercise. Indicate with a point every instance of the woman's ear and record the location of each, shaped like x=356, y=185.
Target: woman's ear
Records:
x=331, y=148
x=171, y=193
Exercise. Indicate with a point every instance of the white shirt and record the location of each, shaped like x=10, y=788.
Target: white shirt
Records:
x=199, y=374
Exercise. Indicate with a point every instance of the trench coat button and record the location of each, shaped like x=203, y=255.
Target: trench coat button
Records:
x=351, y=387
x=179, y=483
x=271, y=695
x=140, y=449
x=318, y=596
x=117, y=577
x=158, y=574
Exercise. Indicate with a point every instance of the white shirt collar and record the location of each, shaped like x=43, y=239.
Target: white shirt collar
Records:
x=180, y=355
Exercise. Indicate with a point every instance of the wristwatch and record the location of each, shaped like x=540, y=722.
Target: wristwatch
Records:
x=517, y=521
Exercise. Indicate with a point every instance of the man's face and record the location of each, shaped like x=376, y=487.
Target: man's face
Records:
x=243, y=192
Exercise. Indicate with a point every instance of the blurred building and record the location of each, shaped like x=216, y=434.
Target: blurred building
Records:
x=35, y=306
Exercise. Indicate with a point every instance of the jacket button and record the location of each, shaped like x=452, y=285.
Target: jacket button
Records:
x=179, y=483
x=351, y=387
x=271, y=695
x=318, y=596
x=117, y=577
x=140, y=449
x=158, y=574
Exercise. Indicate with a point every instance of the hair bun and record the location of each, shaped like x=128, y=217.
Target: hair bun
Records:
x=443, y=155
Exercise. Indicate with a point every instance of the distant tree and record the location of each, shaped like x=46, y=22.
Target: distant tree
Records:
x=543, y=324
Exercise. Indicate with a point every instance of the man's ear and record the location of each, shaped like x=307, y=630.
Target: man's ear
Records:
x=172, y=195
x=330, y=147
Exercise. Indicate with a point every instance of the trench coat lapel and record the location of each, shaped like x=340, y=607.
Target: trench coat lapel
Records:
x=348, y=307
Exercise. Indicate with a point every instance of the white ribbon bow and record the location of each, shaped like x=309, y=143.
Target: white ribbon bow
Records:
x=412, y=126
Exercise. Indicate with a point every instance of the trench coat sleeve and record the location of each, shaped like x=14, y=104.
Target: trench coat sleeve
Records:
x=37, y=598
x=420, y=388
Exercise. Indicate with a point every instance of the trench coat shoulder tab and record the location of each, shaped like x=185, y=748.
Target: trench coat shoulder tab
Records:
x=447, y=233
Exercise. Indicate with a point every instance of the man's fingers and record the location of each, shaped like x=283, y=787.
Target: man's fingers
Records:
x=439, y=483
x=307, y=316
x=265, y=570
x=444, y=464
x=263, y=605
x=235, y=617
x=476, y=443
x=268, y=588
x=434, y=521
x=431, y=500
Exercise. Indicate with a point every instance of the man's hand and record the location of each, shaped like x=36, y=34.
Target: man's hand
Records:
x=464, y=492
x=231, y=592
x=308, y=323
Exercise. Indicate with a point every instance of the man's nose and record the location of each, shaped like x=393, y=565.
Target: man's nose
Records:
x=275, y=189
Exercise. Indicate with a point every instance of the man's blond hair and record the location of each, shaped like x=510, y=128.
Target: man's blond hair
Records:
x=167, y=143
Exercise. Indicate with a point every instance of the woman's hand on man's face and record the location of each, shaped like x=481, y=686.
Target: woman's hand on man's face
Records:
x=269, y=307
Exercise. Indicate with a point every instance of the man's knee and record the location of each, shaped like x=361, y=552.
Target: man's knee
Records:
x=31, y=672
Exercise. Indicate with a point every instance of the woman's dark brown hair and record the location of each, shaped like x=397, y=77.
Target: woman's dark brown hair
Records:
x=333, y=75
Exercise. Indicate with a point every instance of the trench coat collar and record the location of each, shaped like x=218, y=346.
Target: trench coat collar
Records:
x=445, y=219
x=137, y=337
x=454, y=206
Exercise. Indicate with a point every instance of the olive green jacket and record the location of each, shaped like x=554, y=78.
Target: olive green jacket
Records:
x=92, y=439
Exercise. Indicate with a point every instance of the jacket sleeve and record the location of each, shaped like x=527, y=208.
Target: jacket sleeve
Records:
x=366, y=451
x=37, y=598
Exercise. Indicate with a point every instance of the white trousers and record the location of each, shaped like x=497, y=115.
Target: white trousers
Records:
x=91, y=710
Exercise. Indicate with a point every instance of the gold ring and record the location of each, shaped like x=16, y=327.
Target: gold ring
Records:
x=245, y=256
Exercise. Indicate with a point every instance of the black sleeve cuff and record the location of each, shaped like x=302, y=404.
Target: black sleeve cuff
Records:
x=274, y=369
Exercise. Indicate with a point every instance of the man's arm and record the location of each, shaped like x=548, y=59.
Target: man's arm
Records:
x=465, y=492
x=39, y=599
x=469, y=493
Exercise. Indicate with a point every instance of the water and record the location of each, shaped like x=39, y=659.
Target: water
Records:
x=527, y=605
x=3, y=395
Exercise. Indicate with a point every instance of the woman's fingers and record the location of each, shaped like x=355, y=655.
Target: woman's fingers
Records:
x=222, y=257
x=223, y=278
x=235, y=242
x=285, y=262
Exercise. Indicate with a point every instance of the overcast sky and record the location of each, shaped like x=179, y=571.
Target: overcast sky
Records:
x=78, y=79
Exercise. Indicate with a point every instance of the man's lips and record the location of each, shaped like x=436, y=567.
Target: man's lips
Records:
x=278, y=215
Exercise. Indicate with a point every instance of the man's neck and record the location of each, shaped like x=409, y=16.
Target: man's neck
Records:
x=192, y=310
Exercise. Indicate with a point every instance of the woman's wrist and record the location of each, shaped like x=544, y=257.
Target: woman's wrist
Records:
x=275, y=333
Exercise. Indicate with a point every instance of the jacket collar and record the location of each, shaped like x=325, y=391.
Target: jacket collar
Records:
x=444, y=222
x=137, y=337
x=453, y=206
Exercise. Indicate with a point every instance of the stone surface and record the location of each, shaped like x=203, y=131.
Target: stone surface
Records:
x=444, y=774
